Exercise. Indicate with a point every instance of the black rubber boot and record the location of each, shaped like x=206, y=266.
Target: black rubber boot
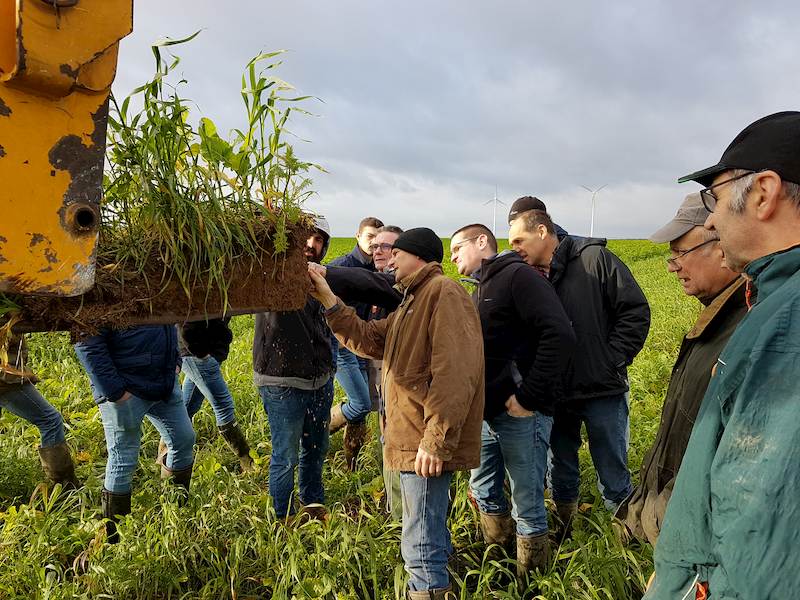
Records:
x=234, y=437
x=182, y=477
x=114, y=506
x=58, y=466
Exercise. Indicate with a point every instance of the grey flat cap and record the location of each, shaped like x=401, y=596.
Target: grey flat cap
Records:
x=691, y=214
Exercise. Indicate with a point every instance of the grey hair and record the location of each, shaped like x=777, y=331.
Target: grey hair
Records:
x=741, y=187
x=739, y=190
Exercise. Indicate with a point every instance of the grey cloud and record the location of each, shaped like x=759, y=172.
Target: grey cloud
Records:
x=428, y=105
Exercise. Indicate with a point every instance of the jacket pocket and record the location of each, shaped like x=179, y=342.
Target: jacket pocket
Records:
x=414, y=385
x=405, y=413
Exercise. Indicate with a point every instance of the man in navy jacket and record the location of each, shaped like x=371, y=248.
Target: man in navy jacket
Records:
x=133, y=373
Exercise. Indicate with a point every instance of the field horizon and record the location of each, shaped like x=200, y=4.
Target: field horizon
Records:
x=225, y=541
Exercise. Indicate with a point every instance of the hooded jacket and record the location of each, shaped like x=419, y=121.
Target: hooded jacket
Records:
x=293, y=348
x=527, y=337
x=609, y=314
x=432, y=379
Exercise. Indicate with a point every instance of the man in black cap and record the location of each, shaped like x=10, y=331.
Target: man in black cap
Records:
x=526, y=203
x=433, y=385
x=611, y=318
x=731, y=526
x=696, y=260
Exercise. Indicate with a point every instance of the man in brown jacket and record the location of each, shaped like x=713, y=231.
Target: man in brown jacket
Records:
x=433, y=382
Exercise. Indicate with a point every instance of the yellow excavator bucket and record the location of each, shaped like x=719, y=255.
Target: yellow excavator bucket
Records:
x=58, y=59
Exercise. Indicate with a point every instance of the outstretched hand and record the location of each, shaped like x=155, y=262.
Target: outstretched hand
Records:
x=320, y=288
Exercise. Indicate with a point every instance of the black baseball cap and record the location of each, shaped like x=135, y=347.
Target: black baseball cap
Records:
x=525, y=204
x=771, y=143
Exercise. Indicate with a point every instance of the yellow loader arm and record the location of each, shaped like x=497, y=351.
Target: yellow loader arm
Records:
x=58, y=59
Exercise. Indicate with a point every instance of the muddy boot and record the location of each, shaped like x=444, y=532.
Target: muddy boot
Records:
x=58, y=466
x=234, y=437
x=440, y=594
x=498, y=529
x=533, y=554
x=312, y=512
x=338, y=419
x=355, y=434
x=114, y=506
x=566, y=512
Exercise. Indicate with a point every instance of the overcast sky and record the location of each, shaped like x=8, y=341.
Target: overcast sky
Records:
x=426, y=106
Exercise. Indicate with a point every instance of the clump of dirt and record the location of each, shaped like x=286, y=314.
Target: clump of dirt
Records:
x=269, y=283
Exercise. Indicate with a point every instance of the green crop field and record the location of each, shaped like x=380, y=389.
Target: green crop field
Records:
x=225, y=543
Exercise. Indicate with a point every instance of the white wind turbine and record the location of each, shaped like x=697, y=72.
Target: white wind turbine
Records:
x=593, y=193
x=496, y=201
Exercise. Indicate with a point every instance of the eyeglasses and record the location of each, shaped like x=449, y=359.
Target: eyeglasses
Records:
x=385, y=247
x=673, y=261
x=708, y=197
x=460, y=244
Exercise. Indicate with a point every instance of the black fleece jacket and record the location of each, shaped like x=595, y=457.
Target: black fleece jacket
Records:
x=608, y=310
x=527, y=337
x=201, y=338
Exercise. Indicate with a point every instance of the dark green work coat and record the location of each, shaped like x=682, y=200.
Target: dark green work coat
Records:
x=733, y=521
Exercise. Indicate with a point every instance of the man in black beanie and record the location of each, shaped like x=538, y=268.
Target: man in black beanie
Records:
x=433, y=385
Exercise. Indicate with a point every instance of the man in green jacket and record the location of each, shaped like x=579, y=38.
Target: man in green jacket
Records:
x=732, y=524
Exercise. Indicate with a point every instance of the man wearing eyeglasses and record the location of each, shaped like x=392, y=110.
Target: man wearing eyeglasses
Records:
x=528, y=343
x=433, y=383
x=352, y=371
x=696, y=260
x=731, y=527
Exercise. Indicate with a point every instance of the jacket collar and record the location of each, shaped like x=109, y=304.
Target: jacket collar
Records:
x=711, y=311
x=770, y=272
x=362, y=258
x=569, y=248
x=415, y=280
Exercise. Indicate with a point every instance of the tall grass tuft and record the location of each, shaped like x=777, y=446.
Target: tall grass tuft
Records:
x=184, y=203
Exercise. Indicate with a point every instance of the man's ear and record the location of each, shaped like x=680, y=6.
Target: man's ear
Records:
x=768, y=191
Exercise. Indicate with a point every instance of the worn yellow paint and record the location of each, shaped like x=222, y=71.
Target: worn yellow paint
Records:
x=55, y=78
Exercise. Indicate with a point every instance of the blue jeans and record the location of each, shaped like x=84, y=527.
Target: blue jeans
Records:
x=352, y=375
x=298, y=423
x=204, y=380
x=608, y=427
x=425, y=541
x=26, y=402
x=122, y=422
x=516, y=446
